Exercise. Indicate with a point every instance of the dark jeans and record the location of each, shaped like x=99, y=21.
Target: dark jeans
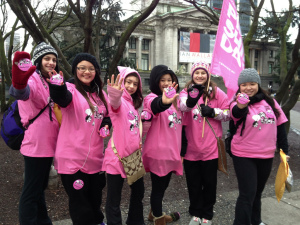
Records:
x=114, y=192
x=159, y=186
x=85, y=203
x=32, y=206
x=201, y=179
x=252, y=175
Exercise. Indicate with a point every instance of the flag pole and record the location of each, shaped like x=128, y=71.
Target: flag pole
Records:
x=209, y=75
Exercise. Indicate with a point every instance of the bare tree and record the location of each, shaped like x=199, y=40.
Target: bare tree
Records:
x=126, y=34
x=32, y=23
x=252, y=30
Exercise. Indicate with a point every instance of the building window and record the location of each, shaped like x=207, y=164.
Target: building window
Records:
x=255, y=65
x=271, y=53
x=145, y=44
x=145, y=62
x=132, y=43
x=256, y=54
x=270, y=68
x=132, y=57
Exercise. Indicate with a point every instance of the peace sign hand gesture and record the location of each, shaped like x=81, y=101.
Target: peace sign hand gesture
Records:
x=117, y=84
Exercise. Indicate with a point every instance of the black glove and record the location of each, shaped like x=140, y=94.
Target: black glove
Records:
x=207, y=111
x=193, y=96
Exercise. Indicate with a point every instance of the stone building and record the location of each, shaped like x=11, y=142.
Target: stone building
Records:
x=158, y=39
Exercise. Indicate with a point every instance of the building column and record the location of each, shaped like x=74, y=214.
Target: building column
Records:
x=139, y=52
x=126, y=52
x=151, y=54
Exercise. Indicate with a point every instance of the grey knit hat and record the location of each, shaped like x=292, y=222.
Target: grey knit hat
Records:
x=249, y=75
x=40, y=51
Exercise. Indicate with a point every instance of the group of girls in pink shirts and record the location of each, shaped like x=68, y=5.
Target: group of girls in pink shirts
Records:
x=88, y=113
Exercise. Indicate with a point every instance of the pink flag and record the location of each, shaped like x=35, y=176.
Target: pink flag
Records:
x=228, y=56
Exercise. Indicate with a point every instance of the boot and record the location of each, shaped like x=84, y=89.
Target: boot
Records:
x=160, y=220
x=150, y=216
x=169, y=218
x=174, y=216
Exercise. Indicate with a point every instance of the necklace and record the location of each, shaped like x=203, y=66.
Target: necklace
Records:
x=42, y=79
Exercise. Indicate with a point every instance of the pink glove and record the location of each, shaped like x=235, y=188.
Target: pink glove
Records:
x=22, y=69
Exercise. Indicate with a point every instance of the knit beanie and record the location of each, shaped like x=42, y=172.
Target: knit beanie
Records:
x=249, y=75
x=200, y=65
x=40, y=51
x=84, y=57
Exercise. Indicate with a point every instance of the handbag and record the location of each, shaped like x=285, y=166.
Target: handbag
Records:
x=222, y=159
x=132, y=164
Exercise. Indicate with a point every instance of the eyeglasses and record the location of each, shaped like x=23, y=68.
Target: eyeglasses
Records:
x=83, y=69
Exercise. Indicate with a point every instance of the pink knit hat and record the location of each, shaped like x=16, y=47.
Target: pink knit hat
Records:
x=200, y=65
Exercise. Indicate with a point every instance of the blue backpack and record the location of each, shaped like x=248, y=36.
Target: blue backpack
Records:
x=12, y=130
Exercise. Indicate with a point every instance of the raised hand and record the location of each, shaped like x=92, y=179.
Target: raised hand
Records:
x=165, y=99
x=194, y=94
x=22, y=69
x=117, y=84
x=56, y=79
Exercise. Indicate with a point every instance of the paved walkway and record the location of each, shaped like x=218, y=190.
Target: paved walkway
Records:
x=287, y=211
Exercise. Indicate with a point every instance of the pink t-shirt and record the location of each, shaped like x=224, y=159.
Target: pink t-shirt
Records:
x=161, y=151
x=79, y=146
x=203, y=148
x=40, y=137
x=260, y=133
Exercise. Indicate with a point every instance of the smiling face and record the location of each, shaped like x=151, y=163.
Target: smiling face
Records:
x=48, y=64
x=131, y=84
x=250, y=88
x=86, y=72
x=165, y=81
x=200, y=76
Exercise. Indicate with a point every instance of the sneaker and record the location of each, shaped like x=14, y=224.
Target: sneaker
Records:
x=195, y=221
x=102, y=223
x=262, y=223
x=205, y=221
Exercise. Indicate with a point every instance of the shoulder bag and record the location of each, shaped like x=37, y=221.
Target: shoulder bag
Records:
x=133, y=164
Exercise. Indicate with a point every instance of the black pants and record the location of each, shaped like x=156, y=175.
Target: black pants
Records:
x=159, y=186
x=84, y=203
x=201, y=179
x=113, y=201
x=32, y=206
x=252, y=175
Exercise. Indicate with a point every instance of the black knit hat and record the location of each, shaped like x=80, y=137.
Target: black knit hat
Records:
x=84, y=57
x=40, y=51
x=156, y=73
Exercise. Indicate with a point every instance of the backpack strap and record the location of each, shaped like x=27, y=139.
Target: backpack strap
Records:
x=40, y=113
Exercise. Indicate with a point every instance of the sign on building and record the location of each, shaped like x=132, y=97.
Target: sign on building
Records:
x=195, y=47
